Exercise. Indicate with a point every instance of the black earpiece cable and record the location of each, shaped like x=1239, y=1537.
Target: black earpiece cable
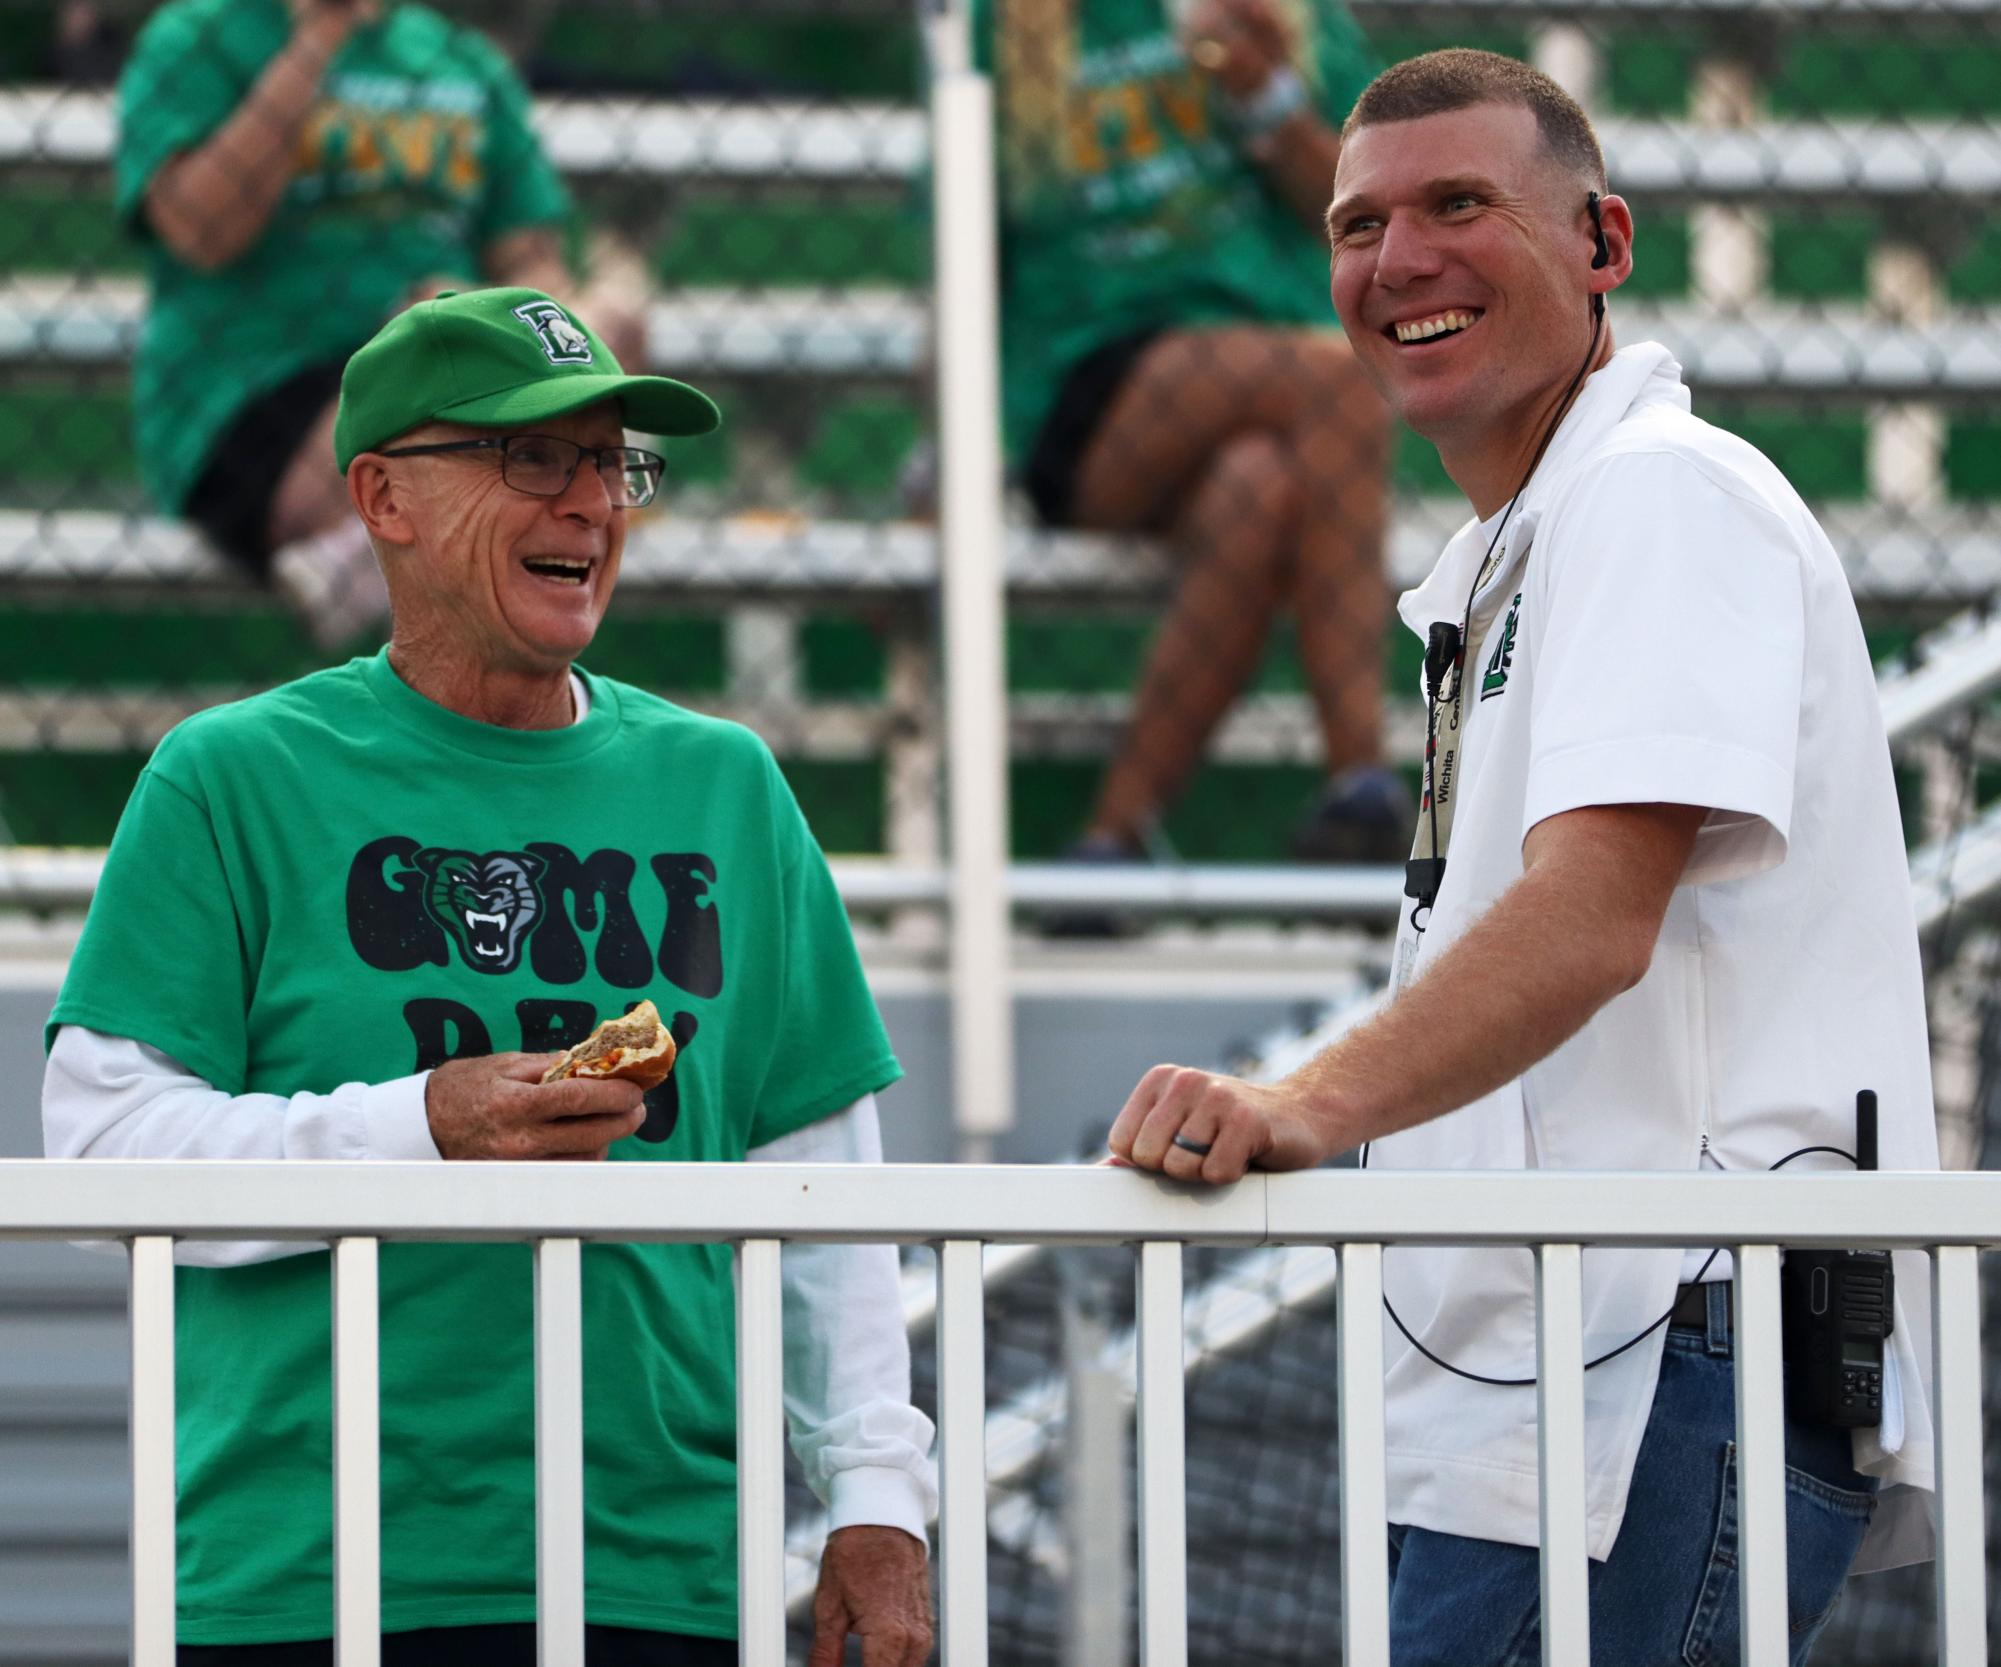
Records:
x=1424, y=887
x=1609, y=1354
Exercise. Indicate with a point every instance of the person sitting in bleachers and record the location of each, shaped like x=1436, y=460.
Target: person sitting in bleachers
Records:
x=1171, y=366
x=299, y=172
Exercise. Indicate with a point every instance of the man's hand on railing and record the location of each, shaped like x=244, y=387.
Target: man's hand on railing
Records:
x=873, y=1583
x=1203, y=1126
x=499, y=1108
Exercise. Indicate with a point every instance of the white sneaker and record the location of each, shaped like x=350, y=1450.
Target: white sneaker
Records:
x=334, y=583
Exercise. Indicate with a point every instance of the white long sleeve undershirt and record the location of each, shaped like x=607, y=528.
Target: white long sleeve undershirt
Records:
x=864, y=1448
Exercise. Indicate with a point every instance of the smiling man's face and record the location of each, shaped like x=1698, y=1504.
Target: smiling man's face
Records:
x=521, y=580
x=1461, y=257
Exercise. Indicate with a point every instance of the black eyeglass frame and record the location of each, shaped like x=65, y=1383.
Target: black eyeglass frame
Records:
x=654, y=464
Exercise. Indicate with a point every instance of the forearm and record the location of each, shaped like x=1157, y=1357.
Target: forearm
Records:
x=111, y=1097
x=1298, y=157
x=212, y=203
x=1520, y=983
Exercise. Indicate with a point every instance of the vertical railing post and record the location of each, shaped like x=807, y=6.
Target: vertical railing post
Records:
x=1761, y=1456
x=559, y=1453
x=1566, y=1564
x=1962, y=1560
x=357, y=1455
x=1163, y=1460
x=970, y=561
x=760, y=1454
x=962, y=1455
x=1096, y=1518
x=1365, y=1567
x=151, y=1288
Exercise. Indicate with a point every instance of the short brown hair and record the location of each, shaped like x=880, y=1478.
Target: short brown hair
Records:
x=1460, y=77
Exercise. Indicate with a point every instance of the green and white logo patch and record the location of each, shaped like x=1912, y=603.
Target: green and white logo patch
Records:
x=561, y=340
x=1495, y=679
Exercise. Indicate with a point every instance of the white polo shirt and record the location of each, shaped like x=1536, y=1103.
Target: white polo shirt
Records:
x=1683, y=633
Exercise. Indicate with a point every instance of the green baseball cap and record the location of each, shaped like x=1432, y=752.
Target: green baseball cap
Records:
x=501, y=357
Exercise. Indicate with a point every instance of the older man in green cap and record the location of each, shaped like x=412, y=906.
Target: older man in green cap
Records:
x=326, y=909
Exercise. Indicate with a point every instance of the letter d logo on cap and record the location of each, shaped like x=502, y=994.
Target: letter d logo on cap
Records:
x=564, y=343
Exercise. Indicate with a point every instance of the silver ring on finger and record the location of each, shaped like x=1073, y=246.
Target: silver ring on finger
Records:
x=1201, y=1148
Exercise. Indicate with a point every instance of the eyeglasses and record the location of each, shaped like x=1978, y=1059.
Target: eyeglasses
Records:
x=544, y=466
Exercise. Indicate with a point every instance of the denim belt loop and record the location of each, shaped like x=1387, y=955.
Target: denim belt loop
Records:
x=1719, y=1316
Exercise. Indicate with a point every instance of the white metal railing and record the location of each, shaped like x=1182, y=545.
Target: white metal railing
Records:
x=959, y=1208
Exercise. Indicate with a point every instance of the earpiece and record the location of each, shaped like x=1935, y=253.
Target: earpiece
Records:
x=1600, y=255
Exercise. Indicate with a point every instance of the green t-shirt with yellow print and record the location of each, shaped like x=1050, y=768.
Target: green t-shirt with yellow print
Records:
x=417, y=154
x=340, y=881
x=1131, y=206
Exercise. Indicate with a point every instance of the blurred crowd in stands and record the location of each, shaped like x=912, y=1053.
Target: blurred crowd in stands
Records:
x=297, y=170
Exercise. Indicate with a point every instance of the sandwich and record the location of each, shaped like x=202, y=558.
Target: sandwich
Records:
x=635, y=1047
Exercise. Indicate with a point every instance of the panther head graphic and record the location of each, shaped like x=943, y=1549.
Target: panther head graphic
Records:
x=488, y=903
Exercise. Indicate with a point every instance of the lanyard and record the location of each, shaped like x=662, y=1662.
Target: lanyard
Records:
x=1445, y=741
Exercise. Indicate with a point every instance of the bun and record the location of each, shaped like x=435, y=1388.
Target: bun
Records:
x=635, y=1047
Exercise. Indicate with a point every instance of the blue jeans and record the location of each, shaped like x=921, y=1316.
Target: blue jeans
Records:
x=1667, y=1596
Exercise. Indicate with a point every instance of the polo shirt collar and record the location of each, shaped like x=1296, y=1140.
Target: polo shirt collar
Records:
x=1634, y=377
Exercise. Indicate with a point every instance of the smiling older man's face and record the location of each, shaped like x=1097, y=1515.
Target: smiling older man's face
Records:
x=523, y=580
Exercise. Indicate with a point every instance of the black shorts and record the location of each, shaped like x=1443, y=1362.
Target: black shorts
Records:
x=478, y=1646
x=231, y=500
x=1050, y=475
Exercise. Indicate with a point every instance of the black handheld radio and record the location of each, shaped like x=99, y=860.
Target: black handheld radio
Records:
x=1837, y=1308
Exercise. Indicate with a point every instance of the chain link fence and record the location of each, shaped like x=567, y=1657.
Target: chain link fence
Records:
x=738, y=196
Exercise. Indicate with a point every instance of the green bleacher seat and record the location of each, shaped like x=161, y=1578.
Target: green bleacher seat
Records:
x=77, y=645
x=1647, y=74
x=722, y=55
x=52, y=229
x=1822, y=257
x=841, y=657
x=1662, y=242
x=794, y=238
x=27, y=34
x=1399, y=41
x=700, y=459
x=68, y=436
x=1873, y=73
x=1973, y=460
x=859, y=447
x=1976, y=274
x=1824, y=455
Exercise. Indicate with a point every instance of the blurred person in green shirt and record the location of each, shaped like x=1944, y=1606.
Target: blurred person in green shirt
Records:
x=298, y=171
x=1171, y=366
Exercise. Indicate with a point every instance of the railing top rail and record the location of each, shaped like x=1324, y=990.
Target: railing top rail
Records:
x=1057, y=1204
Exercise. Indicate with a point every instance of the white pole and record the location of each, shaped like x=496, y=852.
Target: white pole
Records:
x=1566, y=1613
x=760, y=1454
x=1365, y=1554
x=559, y=1453
x=1163, y=1460
x=1095, y=1515
x=152, y=1425
x=1962, y=1565
x=1761, y=1456
x=357, y=1455
x=967, y=337
x=962, y=1456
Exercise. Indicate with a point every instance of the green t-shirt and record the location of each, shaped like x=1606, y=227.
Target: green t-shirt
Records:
x=340, y=881
x=417, y=155
x=1148, y=214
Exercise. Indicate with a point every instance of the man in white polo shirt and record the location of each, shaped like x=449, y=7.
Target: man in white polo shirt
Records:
x=1659, y=918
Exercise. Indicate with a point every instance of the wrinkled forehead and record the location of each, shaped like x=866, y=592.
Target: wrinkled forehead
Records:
x=1383, y=164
